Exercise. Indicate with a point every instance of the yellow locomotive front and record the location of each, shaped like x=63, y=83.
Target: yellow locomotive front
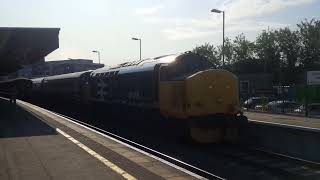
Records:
x=207, y=101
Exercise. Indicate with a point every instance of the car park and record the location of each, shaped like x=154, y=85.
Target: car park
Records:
x=252, y=102
x=282, y=106
x=314, y=110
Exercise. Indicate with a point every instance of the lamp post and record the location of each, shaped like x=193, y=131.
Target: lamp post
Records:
x=138, y=39
x=219, y=11
x=98, y=52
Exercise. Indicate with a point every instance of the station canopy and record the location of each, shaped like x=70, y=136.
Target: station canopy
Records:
x=22, y=46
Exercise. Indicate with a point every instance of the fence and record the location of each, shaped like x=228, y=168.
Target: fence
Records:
x=287, y=100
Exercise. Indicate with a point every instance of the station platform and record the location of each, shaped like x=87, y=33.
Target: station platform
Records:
x=292, y=120
x=38, y=144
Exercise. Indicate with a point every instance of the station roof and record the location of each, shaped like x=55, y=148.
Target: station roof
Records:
x=22, y=46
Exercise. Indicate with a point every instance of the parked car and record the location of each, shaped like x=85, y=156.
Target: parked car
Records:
x=252, y=102
x=300, y=110
x=260, y=107
x=282, y=106
x=314, y=109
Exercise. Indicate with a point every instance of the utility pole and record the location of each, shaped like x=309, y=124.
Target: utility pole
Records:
x=138, y=39
x=98, y=52
x=219, y=11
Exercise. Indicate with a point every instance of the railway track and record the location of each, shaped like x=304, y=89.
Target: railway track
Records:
x=173, y=161
x=258, y=160
x=212, y=161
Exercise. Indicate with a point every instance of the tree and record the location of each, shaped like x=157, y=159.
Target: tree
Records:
x=288, y=42
x=209, y=52
x=228, y=52
x=283, y=52
x=242, y=48
x=267, y=51
x=243, y=52
x=309, y=35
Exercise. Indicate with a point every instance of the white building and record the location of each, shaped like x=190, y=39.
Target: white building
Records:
x=50, y=68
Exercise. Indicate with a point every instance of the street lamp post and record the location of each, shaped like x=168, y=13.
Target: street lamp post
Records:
x=219, y=11
x=138, y=39
x=98, y=52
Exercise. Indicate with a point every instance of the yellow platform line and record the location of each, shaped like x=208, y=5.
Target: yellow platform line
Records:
x=98, y=156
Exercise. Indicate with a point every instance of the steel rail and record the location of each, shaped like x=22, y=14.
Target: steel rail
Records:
x=177, y=162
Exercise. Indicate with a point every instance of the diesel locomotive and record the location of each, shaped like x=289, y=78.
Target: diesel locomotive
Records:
x=181, y=87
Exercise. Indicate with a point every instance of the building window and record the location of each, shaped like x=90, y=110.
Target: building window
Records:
x=244, y=87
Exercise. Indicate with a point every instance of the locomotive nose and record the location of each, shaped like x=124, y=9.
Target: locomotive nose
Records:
x=212, y=92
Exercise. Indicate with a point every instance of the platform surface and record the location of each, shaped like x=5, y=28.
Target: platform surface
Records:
x=35, y=144
x=284, y=119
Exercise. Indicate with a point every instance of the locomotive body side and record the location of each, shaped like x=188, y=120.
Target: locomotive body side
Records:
x=133, y=85
x=71, y=87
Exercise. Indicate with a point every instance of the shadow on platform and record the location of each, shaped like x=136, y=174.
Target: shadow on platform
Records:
x=16, y=122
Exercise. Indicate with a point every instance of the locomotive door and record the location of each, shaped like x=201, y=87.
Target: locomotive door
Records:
x=156, y=81
x=171, y=94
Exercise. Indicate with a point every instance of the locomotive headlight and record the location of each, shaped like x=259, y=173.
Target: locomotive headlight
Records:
x=212, y=85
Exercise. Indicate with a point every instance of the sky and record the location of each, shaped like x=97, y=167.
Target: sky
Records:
x=165, y=26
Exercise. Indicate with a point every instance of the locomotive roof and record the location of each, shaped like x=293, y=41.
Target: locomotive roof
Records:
x=137, y=66
x=66, y=76
x=13, y=80
x=37, y=80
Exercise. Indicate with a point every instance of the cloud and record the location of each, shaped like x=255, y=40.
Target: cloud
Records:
x=241, y=16
x=148, y=10
x=179, y=33
x=199, y=29
x=250, y=26
x=238, y=9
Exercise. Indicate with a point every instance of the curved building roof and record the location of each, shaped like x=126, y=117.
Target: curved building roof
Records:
x=21, y=46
